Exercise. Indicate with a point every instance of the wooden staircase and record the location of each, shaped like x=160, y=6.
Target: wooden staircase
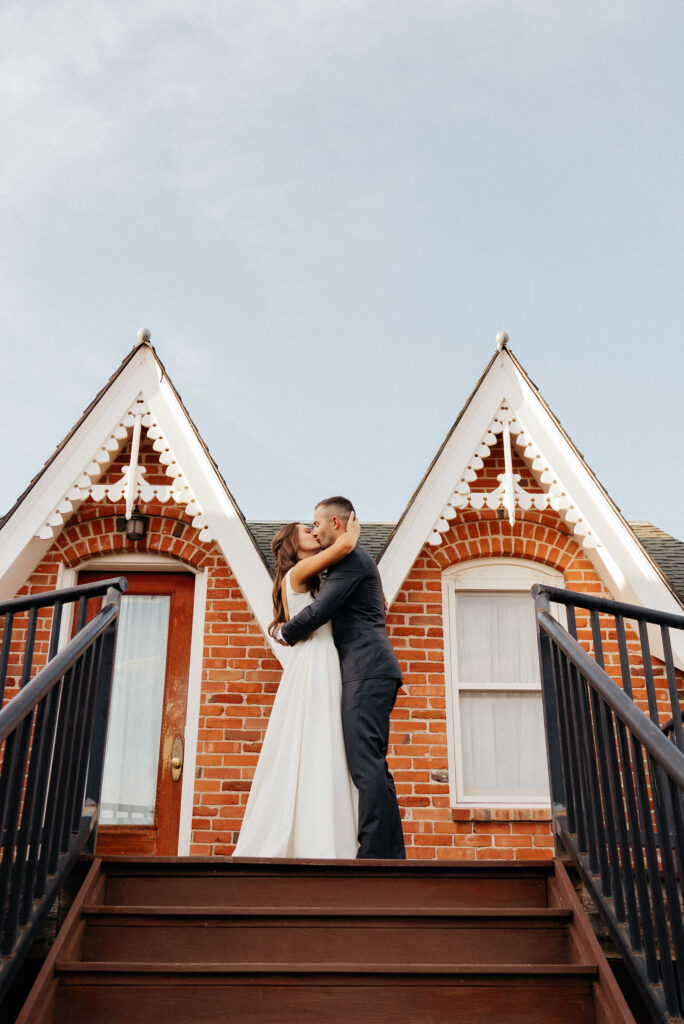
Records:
x=208, y=941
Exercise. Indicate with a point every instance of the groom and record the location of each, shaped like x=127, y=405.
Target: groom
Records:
x=351, y=597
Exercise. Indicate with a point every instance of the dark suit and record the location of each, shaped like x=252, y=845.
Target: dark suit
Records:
x=351, y=597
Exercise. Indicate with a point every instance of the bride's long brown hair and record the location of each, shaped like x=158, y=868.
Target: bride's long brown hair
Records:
x=285, y=546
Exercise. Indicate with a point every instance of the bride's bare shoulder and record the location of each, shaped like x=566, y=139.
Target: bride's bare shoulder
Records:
x=296, y=588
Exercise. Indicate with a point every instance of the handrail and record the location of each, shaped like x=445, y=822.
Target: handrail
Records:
x=66, y=595
x=625, y=709
x=51, y=753
x=617, y=782
x=16, y=710
x=604, y=604
x=20, y=642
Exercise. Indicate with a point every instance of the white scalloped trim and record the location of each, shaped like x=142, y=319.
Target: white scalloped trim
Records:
x=553, y=495
x=84, y=487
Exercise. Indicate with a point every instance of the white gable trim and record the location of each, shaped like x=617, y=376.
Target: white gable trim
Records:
x=91, y=445
x=451, y=464
x=132, y=484
x=624, y=567
x=509, y=494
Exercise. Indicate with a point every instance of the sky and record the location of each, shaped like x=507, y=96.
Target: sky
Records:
x=325, y=210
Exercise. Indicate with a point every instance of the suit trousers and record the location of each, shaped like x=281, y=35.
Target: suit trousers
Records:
x=366, y=708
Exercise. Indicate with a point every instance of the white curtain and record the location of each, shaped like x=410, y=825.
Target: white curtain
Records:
x=503, y=745
x=503, y=748
x=129, y=784
x=496, y=639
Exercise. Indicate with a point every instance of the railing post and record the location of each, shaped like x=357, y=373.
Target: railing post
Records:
x=550, y=706
x=101, y=714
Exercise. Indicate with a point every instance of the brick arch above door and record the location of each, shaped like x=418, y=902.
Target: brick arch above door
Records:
x=84, y=539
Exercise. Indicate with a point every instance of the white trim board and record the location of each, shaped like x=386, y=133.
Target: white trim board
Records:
x=192, y=715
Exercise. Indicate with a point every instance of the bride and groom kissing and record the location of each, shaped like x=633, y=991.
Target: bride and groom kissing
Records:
x=322, y=788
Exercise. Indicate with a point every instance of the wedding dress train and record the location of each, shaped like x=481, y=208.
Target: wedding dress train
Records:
x=303, y=802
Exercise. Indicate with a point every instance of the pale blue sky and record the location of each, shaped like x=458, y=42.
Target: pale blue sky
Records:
x=324, y=211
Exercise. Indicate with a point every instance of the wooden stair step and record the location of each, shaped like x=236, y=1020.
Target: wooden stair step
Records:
x=537, y=937
x=204, y=942
x=132, y=994
x=322, y=883
x=450, y=913
x=298, y=970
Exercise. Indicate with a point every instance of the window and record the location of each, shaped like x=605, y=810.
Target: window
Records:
x=497, y=747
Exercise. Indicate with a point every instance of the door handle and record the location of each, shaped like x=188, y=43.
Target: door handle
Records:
x=177, y=759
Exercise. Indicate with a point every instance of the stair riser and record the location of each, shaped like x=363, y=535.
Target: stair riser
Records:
x=357, y=892
x=294, y=942
x=384, y=1003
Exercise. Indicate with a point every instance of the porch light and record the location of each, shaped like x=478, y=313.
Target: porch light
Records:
x=136, y=526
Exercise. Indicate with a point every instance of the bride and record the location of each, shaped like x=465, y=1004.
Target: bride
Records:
x=303, y=802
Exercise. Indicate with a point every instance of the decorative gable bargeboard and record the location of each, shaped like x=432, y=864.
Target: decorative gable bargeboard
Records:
x=508, y=500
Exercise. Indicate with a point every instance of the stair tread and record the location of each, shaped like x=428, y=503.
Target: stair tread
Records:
x=239, y=911
x=234, y=868
x=180, y=967
x=284, y=865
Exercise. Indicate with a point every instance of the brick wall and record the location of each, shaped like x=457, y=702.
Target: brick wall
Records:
x=240, y=674
x=419, y=731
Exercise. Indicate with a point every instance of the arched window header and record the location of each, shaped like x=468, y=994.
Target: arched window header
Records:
x=500, y=574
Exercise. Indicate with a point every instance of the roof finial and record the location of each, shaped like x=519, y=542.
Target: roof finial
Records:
x=143, y=335
x=501, y=340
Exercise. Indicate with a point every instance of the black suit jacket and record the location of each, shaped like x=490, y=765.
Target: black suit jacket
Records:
x=351, y=596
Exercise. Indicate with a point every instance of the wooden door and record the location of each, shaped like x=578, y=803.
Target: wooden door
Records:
x=141, y=791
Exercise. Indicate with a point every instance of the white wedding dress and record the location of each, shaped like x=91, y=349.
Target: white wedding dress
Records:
x=303, y=802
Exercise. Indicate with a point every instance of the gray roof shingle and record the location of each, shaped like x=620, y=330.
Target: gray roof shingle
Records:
x=666, y=551
x=373, y=538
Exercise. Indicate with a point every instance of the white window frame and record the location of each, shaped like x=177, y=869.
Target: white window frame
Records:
x=496, y=575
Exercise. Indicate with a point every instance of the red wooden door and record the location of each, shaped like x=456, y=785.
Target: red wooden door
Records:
x=141, y=791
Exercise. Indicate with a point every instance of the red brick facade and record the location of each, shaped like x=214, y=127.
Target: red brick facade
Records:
x=240, y=674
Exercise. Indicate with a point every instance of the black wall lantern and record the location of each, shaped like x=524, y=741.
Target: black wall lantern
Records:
x=135, y=528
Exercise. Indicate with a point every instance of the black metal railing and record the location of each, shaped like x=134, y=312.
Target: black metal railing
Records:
x=617, y=781
x=49, y=783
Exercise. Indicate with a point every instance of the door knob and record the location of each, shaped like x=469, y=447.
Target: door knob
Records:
x=177, y=759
